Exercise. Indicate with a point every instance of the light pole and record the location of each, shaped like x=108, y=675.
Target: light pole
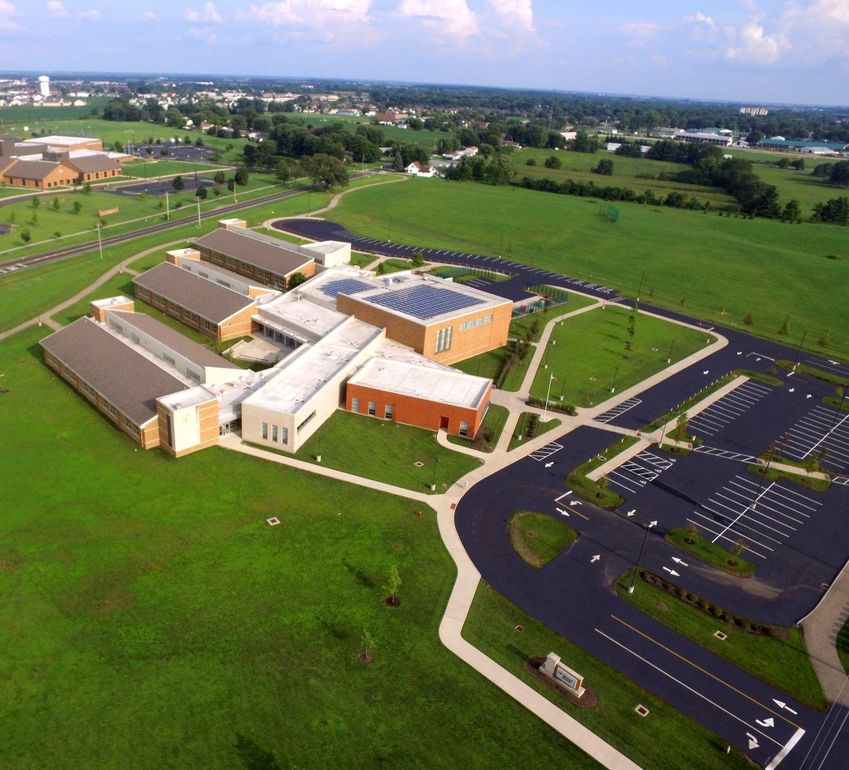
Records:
x=639, y=559
x=837, y=410
x=99, y=241
x=763, y=476
x=435, y=467
x=551, y=377
x=197, y=198
x=669, y=357
x=613, y=386
x=799, y=349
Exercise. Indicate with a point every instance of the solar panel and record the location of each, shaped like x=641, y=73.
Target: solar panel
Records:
x=344, y=286
x=424, y=301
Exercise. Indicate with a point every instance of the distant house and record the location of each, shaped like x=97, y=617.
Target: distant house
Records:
x=420, y=169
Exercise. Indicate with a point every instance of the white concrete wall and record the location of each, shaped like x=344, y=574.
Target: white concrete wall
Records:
x=341, y=255
x=185, y=424
x=208, y=271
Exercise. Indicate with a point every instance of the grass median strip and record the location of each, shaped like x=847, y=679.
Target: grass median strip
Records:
x=538, y=538
x=778, y=656
x=691, y=541
x=597, y=492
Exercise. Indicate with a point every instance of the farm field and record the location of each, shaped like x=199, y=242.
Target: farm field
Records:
x=720, y=269
x=153, y=619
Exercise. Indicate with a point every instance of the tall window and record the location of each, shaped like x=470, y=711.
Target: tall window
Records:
x=355, y=405
x=388, y=412
x=285, y=436
x=265, y=431
x=443, y=340
x=274, y=433
x=464, y=428
x=372, y=408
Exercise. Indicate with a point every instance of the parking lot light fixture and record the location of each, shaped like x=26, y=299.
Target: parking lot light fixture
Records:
x=639, y=559
x=799, y=350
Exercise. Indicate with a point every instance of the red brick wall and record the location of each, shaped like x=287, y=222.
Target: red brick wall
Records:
x=416, y=411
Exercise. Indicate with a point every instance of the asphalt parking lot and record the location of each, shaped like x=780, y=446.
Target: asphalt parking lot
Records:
x=176, y=151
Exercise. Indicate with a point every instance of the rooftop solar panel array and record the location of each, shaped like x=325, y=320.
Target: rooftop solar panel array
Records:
x=344, y=286
x=424, y=302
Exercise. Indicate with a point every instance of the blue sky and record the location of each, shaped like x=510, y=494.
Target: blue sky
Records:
x=749, y=50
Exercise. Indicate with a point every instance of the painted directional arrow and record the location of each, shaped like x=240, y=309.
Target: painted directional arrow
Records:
x=782, y=705
x=562, y=512
x=680, y=561
x=706, y=371
x=768, y=722
x=548, y=465
x=652, y=523
x=753, y=742
x=672, y=572
x=573, y=503
x=595, y=558
x=739, y=352
x=631, y=512
x=791, y=390
x=809, y=396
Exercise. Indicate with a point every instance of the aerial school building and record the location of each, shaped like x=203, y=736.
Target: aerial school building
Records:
x=373, y=345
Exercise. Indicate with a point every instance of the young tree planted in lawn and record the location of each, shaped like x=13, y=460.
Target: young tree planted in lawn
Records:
x=178, y=183
x=381, y=269
x=784, y=329
x=77, y=207
x=241, y=176
x=680, y=431
x=55, y=203
x=553, y=162
x=26, y=235
x=368, y=643
x=201, y=193
x=604, y=167
x=219, y=178
x=393, y=583
x=36, y=202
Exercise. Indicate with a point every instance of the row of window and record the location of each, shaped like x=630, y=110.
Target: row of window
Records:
x=443, y=340
x=388, y=411
x=475, y=322
x=277, y=434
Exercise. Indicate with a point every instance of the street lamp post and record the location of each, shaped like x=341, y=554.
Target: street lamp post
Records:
x=799, y=349
x=669, y=357
x=547, y=396
x=763, y=477
x=639, y=559
x=837, y=410
x=99, y=242
x=613, y=386
x=435, y=467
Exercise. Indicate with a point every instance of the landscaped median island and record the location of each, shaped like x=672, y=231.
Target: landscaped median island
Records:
x=528, y=427
x=691, y=541
x=493, y=626
x=149, y=611
x=538, y=538
x=597, y=492
x=774, y=654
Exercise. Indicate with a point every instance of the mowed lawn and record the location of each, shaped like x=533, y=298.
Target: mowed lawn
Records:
x=588, y=357
x=386, y=451
x=716, y=268
x=150, y=618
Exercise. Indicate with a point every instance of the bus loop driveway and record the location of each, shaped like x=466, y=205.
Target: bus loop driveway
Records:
x=797, y=538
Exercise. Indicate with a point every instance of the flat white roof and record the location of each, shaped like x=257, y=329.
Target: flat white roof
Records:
x=412, y=379
x=59, y=139
x=110, y=301
x=300, y=377
x=325, y=247
x=301, y=315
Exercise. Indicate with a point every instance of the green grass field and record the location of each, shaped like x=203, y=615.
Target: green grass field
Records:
x=386, y=451
x=783, y=663
x=490, y=430
x=538, y=538
x=720, y=268
x=150, y=618
x=627, y=172
x=586, y=354
x=164, y=167
x=521, y=325
x=491, y=627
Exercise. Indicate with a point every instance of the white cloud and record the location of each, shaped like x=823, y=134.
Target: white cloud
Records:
x=341, y=21
x=700, y=18
x=91, y=15
x=148, y=16
x=57, y=9
x=448, y=18
x=206, y=34
x=516, y=14
x=639, y=29
x=208, y=14
x=754, y=45
x=7, y=15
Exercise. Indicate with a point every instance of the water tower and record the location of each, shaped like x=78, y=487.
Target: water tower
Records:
x=44, y=85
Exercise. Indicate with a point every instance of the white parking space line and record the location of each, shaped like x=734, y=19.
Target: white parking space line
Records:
x=635, y=473
x=544, y=452
x=820, y=429
x=617, y=411
x=728, y=408
x=764, y=518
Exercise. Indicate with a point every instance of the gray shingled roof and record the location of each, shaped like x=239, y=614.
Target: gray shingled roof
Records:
x=127, y=379
x=265, y=253
x=177, y=342
x=89, y=164
x=32, y=169
x=208, y=299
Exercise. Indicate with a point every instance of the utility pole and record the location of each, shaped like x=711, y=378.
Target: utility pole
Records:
x=799, y=349
x=639, y=559
x=99, y=242
x=198, y=202
x=167, y=207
